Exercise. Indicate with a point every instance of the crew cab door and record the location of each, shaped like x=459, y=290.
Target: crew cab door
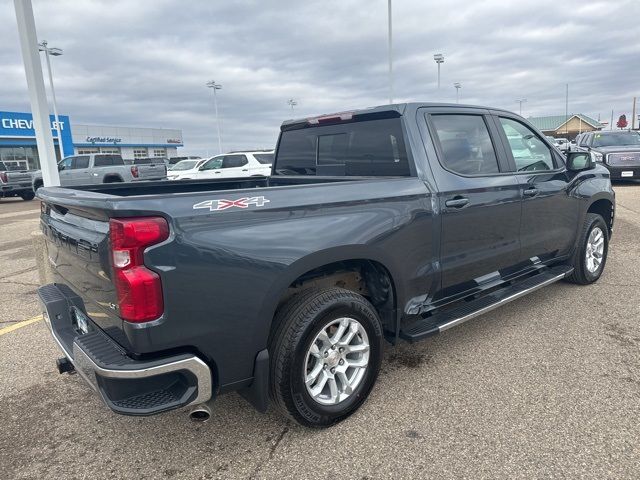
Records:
x=64, y=171
x=235, y=166
x=479, y=199
x=80, y=174
x=549, y=213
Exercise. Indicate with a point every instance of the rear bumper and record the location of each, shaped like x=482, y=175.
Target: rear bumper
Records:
x=126, y=385
x=15, y=188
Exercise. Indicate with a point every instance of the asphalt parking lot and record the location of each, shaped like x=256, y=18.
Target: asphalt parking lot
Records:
x=547, y=386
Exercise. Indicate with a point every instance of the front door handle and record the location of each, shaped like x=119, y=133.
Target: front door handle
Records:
x=245, y=169
x=457, y=202
x=530, y=192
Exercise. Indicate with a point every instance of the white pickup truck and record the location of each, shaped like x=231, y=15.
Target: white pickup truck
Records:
x=102, y=168
x=15, y=183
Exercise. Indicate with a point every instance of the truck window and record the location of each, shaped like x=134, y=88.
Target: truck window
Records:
x=80, y=162
x=529, y=152
x=264, y=158
x=465, y=144
x=364, y=148
x=107, y=160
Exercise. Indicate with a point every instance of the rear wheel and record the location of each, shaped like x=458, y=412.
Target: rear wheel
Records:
x=591, y=252
x=27, y=195
x=325, y=355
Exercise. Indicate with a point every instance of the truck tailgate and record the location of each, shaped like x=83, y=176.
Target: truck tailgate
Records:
x=78, y=249
x=152, y=171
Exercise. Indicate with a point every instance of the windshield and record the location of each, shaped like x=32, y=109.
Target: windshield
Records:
x=185, y=165
x=616, y=139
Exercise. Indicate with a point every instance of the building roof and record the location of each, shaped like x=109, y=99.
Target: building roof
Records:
x=554, y=122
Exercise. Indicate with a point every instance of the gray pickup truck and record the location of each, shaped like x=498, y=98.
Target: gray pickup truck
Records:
x=392, y=223
x=102, y=168
x=15, y=183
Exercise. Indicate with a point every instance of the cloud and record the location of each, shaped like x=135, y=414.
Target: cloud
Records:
x=145, y=63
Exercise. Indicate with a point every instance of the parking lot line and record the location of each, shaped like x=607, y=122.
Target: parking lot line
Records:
x=18, y=214
x=18, y=325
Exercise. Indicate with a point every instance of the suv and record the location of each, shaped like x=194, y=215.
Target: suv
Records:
x=618, y=151
x=391, y=223
x=234, y=165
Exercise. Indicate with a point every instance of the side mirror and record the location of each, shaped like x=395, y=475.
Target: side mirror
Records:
x=60, y=167
x=579, y=161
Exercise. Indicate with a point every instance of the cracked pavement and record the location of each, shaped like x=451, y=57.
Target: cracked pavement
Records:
x=546, y=386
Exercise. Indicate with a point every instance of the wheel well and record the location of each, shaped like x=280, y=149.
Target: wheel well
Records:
x=604, y=208
x=365, y=277
x=112, y=179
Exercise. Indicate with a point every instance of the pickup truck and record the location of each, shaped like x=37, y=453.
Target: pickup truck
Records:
x=618, y=151
x=390, y=224
x=15, y=183
x=102, y=168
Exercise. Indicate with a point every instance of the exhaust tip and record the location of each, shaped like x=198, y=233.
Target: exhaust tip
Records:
x=200, y=414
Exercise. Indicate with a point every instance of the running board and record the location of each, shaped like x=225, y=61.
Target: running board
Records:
x=443, y=321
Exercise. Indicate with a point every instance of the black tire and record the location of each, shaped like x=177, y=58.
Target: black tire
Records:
x=113, y=180
x=581, y=274
x=37, y=185
x=28, y=195
x=298, y=322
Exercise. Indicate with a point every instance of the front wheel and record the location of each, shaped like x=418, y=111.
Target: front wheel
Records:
x=325, y=355
x=591, y=251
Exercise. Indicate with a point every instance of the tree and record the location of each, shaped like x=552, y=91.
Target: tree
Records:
x=622, y=121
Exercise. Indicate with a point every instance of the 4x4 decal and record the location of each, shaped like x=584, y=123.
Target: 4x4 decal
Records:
x=223, y=204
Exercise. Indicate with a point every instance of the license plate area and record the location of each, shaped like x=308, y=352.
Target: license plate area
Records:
x=627, y=174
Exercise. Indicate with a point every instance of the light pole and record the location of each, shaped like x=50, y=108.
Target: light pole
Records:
x=216, y=86
x=390, y=53
x=521, y=101
x=292, y=103
x=439, y=58
x=56, y=52
x=458, y=86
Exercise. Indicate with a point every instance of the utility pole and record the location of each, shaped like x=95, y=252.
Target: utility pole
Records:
x=566, y=111
x=521, y=101
x=611, y=124
x=439, y=59
x=390, y=53
x=458, y=86
x=37, y=95
x=56, y=52
x=292, y=103
x=216, y=86
x=633, y=116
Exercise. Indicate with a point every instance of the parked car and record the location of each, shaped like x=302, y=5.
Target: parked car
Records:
x=618, y=151
x=234, y=165
x=102, y=168
x=174, y=160
x=396, y=222
x=185, y=169
x=15, y=183
x=562, y=144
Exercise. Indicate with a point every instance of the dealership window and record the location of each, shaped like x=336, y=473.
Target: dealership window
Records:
x=110, y=150
x=160, y=152
x=20, y=158
x=87, y=151
x=140, y=153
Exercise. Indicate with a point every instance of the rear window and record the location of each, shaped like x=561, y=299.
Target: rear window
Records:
x=106, y=160
x=365, y=148
x=264, y=158
x=148, y=161
x=3, y=167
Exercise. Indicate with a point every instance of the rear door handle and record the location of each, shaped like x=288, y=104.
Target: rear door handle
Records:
x=457, y=202
x=530, y=192
x=245, y=169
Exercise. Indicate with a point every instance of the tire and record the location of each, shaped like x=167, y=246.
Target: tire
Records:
x=298, y=324
x=583, y=272
x=113, y=180
x=37, y=185
x=28, y=195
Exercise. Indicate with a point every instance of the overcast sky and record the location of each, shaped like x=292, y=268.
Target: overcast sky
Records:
x=145, y=63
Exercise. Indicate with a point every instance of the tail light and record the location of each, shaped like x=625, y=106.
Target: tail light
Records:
x=4, y=177
x=134, y=171
x=139, y=289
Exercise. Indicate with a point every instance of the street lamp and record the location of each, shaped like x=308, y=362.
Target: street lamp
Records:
x=458, y=86
x=521, y=101
x=390, y=52
x=56, y=52
x=292, y=103
x=216, y=86
x=439, y=58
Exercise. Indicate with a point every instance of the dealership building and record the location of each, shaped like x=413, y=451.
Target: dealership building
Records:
x=18, y=148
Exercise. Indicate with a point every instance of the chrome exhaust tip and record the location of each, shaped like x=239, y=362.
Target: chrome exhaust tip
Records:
x=200, y=414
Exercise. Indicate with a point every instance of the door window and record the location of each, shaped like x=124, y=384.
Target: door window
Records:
x=234, y=161
x=66, y=164
x=213, y=164
x=81, y=162
x=465, y=144
x=529, y=151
